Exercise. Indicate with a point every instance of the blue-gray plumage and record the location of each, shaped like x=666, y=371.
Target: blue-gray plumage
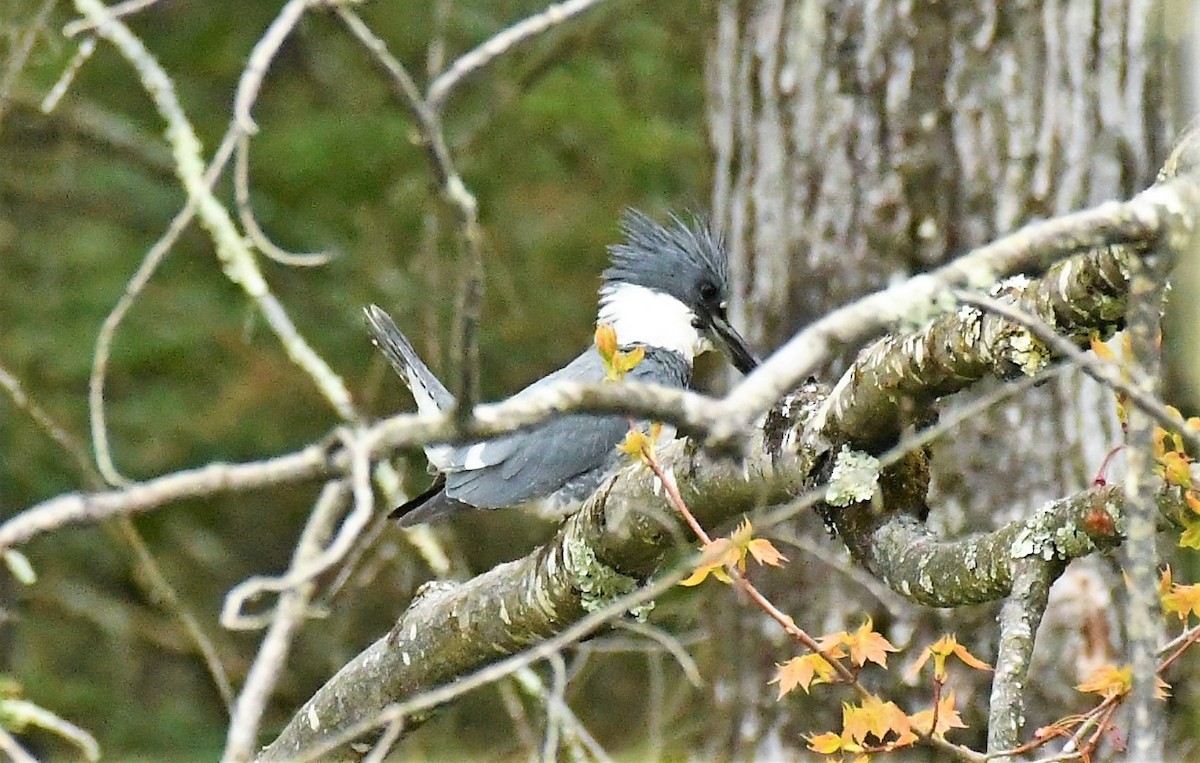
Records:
x=666, y=290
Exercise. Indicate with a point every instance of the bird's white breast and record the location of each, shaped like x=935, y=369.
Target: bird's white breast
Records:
x=653, y=318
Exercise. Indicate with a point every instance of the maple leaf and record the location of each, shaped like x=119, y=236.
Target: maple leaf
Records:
x=617, y=362
x=1182, y=600
x=802, y=671
x=877, y=718
x=856, y=722
x=940, y=651
x=825, y=744
x=1108, y=681
x=1102, y=350
x=640, y=445
x=1192, y=500
x=763, y=551
x=1173, y=465
x=717, y=554
x=947, y=717
x=868, y=646
x=1190, y=537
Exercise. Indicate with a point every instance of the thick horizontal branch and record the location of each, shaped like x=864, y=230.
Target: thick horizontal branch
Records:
x=915, y=562
x=687, y=410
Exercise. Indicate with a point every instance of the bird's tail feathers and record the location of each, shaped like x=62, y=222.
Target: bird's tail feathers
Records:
x=429, y=392
x=431, y=504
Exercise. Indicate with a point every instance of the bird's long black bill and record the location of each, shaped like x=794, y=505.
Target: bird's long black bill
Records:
x=739, y=352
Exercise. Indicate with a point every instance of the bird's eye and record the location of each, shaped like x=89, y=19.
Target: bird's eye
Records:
x=708, y=290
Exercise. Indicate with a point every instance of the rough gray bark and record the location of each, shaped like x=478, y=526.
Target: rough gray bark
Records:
x=857, y=143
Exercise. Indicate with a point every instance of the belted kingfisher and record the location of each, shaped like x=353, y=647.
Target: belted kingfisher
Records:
x=666, y=290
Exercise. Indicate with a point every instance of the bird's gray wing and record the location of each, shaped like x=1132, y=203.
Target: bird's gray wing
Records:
x=547, y=458
x=537, y=461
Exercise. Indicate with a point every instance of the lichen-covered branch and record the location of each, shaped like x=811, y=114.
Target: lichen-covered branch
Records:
x=1019, y=619
x=902, y=375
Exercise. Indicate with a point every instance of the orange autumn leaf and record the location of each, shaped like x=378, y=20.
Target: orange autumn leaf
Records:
x=877, y=718
x=802, y=671
x=941, y=650
x=947, y=717
x=1108, y=681
x=764, y=552
x=1193, y=501
x=1174, y=468
x=1102, y=350
x=606, y=340
x=717, y=554
x=617, y=363
x=640, y=445
x=866, y=645
x=1182, y=600
x=1190, y=537
x=828, y=743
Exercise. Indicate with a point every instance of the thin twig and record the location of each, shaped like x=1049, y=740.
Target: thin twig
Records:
x=287, y=617
x=72, y=28
x=133, y=288
x=311, y=565
x=469, y=296
x=84, y=52
x=387, y=740
x=670, y=644
x=13, y=749
x=261, y=241
x=19, y=55
x=236, y=259
x=260, y=60
x=555, y=700
x=159, y=587
x=470, y=63
x=766, y=605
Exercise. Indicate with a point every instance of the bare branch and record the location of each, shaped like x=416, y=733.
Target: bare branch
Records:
x=236, y=259
x=133, y=288
x=288, y=615
x=13, y=749
x=469, y=297
x=1143, y=612
x=262, y=242
x=159, y=588
x=118, y=10
x=306, y=568
x=138, y=497
x=20, y=54
x=1103, y=372
x=260, y=60
x=45, y=422
x=84, y=52
x=1019, y=619
x=499, y=44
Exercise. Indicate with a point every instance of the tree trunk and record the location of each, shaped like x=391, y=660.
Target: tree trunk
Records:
x=857, y=143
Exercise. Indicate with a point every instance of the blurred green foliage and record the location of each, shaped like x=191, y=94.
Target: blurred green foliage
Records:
x=554, y=140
